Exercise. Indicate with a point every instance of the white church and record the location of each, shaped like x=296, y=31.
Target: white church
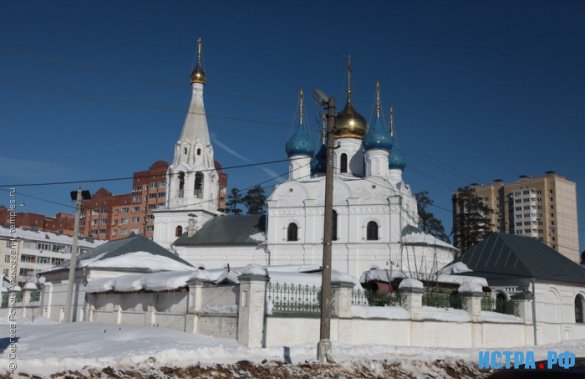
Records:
x=375, y=212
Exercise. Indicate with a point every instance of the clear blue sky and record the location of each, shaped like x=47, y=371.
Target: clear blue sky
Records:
x=99, y=89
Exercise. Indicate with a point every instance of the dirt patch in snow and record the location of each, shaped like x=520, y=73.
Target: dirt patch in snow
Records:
x=268, y=370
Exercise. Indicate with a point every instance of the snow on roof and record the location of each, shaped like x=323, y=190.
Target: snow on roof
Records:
x=47, y=237
x=455, y=268
x=459, y=279
x=381, y=275
x=140, y=259
x=159, y=281
x=163, y=281
x=411, y=283
x=30, y=286
x=169, y=280
x=412, y=235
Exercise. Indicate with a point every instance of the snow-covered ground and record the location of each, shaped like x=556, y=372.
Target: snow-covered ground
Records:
x=45, y=347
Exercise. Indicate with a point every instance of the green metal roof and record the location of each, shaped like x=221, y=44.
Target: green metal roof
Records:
x=507, y=255
x=226, y=230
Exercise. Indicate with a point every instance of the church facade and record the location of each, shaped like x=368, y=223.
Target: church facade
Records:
x=375, y=212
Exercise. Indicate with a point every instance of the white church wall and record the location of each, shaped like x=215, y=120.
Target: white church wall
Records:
x=219, y=256
x=555, y=312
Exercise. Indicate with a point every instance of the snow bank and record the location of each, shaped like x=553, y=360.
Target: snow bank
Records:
x=499, y=317
x=390, y=313
x=444, y=314
x=47, y=349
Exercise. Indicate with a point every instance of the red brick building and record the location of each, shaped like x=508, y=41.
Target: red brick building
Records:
x=61, y=223
x=109, y=216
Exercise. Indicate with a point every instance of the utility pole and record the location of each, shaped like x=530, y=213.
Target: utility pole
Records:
x=324, y=345
x=78, y=196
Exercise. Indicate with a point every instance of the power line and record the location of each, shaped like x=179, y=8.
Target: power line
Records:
x=41, y=199
x=140, y=176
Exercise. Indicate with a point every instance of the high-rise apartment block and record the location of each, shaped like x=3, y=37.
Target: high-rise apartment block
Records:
x=543, y=207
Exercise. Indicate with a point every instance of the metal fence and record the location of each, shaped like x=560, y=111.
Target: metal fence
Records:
x=499, y=305
x=440, y=299
x=375, y=299
x=294, y=298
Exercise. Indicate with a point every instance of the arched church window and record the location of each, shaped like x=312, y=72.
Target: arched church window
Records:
x=343, y=165
x=372, y=231
x=334, y=235
x=178, y=231
x=292, y=232
x=184, y=150
x=199, y=185
x=579, y=309
x=181, y=184
x=198, y=151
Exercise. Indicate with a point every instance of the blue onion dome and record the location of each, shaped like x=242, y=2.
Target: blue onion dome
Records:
x=299, y=143
x=319, y=161
x=396, y=159
x=378, y=137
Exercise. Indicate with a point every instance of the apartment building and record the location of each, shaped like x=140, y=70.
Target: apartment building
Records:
x=108, y=216
x=60, y=223
x=542, y=207
x=30, y=251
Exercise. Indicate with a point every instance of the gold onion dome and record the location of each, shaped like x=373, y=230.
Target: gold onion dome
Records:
x=198, y=75
x=349, y=123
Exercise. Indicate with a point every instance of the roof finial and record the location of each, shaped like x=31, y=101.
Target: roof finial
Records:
x=377, y=99
x=199, y=49
x=301, y=107
x=349, y=79
x=392, y=130
x=198, y=75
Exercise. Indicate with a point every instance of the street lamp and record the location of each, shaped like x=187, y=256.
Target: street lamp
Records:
x=324, y=345
x=77, y=196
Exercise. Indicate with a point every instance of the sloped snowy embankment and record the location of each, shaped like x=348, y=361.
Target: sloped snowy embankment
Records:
x=46, y=347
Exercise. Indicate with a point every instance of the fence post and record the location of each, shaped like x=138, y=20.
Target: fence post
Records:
x=523, y=306
x=26, y=292
x=195, y=301
x=342, y=299
x=411, y=291
x=251, y=309
x=471, y=295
